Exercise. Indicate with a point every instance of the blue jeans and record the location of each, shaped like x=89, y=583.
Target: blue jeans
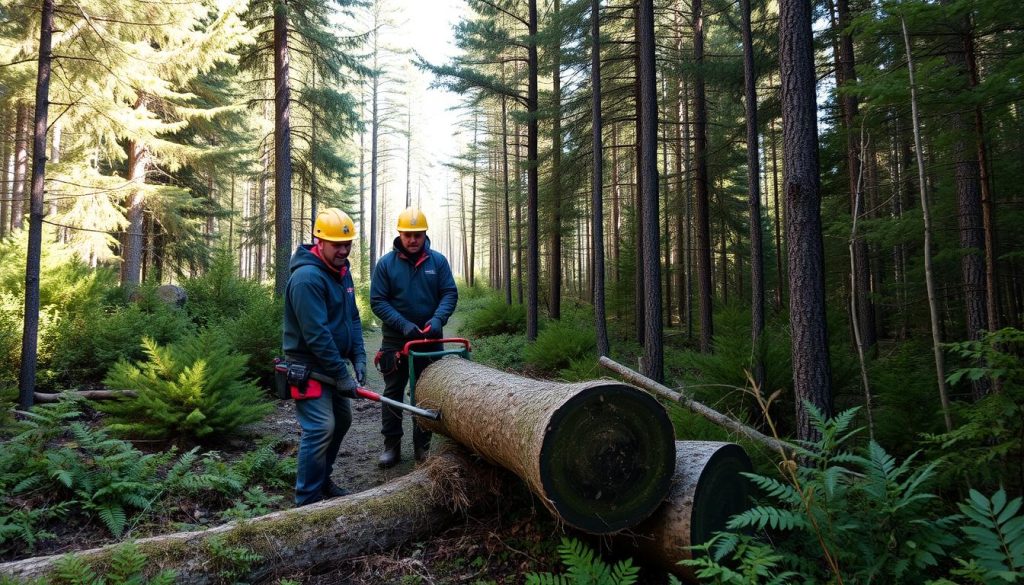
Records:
x=324, y=422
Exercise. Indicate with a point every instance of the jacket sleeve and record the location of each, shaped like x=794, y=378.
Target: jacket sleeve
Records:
x=358, y=352
x=449, y=292
x=313, y=326
x=380, y=293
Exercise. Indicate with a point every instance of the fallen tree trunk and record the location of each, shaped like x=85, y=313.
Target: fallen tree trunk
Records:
x=48, y=397
x=707, y=489
x=382, y=518
x=599, y=454
x=699, y=408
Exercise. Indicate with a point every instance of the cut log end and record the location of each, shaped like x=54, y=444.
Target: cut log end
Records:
x=721, y=492
x=607, y=459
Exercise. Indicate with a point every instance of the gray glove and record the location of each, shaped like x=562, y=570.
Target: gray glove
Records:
x=360, y=370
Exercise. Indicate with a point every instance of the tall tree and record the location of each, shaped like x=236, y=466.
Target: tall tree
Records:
x=597, y=182
x=30, y=336
x=812, y=376
x=754, y=197
x=650, y=244
x=705, y=294
x=282, y=150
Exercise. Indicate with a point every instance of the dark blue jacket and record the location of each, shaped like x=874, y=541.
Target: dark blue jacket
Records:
x=321, y=320
x=408, y=293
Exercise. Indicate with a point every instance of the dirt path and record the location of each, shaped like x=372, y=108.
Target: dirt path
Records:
x=356, y=468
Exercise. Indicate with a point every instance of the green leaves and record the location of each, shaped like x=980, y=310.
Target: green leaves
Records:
x=191, y=389
x=585, y=568
x=997, y=534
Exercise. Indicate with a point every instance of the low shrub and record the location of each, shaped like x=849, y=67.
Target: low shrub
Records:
x=504, y=352
x=192, y=389
x=220, y=294
x=559, y=344
x=494, y=317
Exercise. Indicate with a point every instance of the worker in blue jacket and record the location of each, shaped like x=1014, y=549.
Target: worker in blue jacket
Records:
x=322, y=329
x=413, y=293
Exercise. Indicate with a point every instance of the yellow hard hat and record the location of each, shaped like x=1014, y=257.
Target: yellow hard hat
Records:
x=334, y=225
x=412, y=220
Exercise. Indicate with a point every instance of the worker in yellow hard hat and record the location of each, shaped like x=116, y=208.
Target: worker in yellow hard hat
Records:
x=322, y=330
x=413, y=293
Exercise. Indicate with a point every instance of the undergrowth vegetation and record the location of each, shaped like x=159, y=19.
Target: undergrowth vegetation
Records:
x=55, y=467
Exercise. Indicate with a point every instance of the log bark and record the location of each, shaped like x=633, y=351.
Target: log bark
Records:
x=48, y=397
x=703, y=410
x=707, y=489
x=599, y=454
x=405, y=509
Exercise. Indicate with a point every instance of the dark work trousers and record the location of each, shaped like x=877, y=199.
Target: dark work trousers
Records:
x=395, y=380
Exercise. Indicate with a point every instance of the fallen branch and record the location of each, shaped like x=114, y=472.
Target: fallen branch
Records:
x=410, y=507
x=722, y=420
x=48, y=397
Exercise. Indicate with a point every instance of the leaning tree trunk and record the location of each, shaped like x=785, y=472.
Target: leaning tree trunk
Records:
x=408, y=508
x=599, y=454
x=707, y=489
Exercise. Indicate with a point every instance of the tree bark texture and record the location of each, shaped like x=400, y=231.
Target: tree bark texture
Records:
x=599, y=454
x=18, y=188
x=597, y=182
x=30, y=333
x=282, y=150
x=707, y=489
x=847, y=76
x=5, y=172
x=138, y=168
x=408, y=508
x=532, y=254
x=555, y=290
x=700, y=152
x=648, y=169
x=754, y=198
x=805, y=250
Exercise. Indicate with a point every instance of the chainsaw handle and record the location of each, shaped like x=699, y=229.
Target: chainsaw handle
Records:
x=409, y=344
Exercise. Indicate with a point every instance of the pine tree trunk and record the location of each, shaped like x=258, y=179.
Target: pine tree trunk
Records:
x=138, y=168
x=532, y=241
x=929, y=278
x=705, y=292
x=374, y=137
x=533, y=427
x=506, y=215
x=555, y=268
x=812, y=382
x=18, y=189
x=707, y=489
x=847, y=76
x=754, y=199
x=648, y=170
x=282, y=150
x=5, y=172
x=30, y=335
x=639, y=294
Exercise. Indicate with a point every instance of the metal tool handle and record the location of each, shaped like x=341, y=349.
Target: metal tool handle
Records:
x=363, y=392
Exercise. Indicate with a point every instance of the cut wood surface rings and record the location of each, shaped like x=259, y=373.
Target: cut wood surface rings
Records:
x=599, y=454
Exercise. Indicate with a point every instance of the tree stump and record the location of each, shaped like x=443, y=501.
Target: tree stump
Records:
x=707, y=489
x=599, y=454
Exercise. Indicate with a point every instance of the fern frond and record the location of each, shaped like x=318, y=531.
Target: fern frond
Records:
x=761, y=517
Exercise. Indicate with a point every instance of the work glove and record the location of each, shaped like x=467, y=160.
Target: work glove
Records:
x=433, y=329
x=347, y=388
x=410, y=330
x=360, y=371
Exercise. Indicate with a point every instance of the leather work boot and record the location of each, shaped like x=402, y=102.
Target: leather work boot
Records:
x=421, y=452
x=331, y=490
x=391, y=455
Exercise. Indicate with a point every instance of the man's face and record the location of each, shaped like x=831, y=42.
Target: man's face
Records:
x=412, y=241
x=335, y=253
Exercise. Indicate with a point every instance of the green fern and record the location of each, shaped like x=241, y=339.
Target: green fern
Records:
x=997, y=534
x=585, y=568
x=127, y=567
